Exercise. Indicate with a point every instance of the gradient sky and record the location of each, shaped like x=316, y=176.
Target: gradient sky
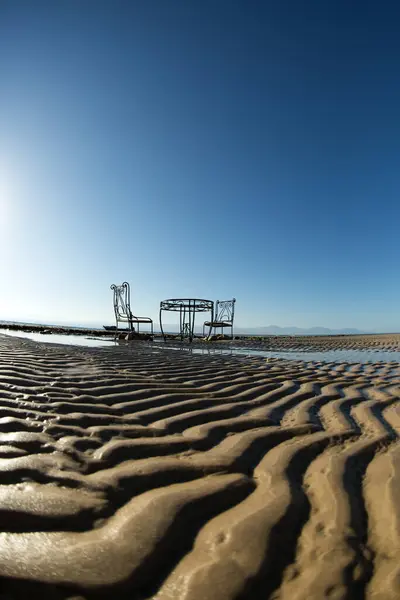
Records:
x=212, y=149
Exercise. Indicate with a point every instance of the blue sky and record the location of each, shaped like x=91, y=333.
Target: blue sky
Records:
x=210, y=149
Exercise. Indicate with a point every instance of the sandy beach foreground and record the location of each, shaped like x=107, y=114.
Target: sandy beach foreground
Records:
x=138, y=472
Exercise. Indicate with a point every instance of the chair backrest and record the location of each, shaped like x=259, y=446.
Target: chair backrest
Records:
x=225, y=311
x=122, y=301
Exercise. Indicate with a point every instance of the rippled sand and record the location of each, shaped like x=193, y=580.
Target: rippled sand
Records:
x=381, y=341
x=138, y=472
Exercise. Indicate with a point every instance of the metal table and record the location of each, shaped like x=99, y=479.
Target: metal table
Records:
x=187, y=308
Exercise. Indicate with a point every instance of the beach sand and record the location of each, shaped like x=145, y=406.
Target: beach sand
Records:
x=139, y=472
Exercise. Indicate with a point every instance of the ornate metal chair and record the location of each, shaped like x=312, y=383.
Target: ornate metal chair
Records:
x=122, y=308
x=223, y=316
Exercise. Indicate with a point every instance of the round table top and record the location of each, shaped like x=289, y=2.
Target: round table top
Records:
x=191, y=304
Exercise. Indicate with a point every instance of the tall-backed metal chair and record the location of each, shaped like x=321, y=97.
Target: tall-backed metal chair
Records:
x=223, y=316
x=122, y=308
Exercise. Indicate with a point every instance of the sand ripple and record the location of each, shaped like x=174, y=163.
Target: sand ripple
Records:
x=137, y=472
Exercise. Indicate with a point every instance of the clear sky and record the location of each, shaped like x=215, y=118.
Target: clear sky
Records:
x=211, y=148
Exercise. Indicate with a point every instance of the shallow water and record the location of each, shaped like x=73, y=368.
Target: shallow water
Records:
x=57, y=338
x=348, y=356
x=336, y=356
x=354, y=356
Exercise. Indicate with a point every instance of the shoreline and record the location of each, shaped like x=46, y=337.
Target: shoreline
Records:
x=367, y=340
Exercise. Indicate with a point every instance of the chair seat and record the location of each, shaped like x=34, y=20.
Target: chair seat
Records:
x=125, y=319
x=142, y=319
x=217, y=324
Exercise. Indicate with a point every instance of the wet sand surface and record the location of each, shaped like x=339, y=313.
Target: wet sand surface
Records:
x=382, y=341
x=140, y=472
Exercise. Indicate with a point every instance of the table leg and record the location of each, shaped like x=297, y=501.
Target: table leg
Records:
x=183, y=324
x=187, y=322
x=161, y=327
x=192, y=323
